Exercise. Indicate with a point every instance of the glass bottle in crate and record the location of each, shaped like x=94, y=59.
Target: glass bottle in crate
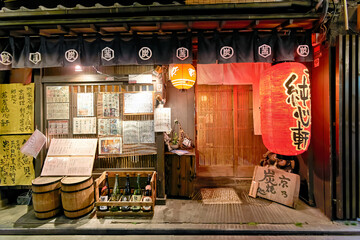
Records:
x=104, y=194
x=136, y=197
x=147, y=194
x=126, y=195
x=115, y=196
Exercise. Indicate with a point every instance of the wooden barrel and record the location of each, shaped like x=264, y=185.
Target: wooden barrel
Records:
x=46, y=196
x=77, y=196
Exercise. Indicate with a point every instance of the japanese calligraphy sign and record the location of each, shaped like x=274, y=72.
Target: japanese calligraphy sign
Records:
x=286, y=108
x=17, y=108
x=276, y=185
x=15, y=168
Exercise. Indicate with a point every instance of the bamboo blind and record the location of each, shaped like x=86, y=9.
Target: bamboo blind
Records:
x=225, y=130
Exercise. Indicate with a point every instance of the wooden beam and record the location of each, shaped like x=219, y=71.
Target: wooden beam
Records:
x=66, y=29
x=30, y=30
x=285, y=24
x=253, y=24
x=189, y=26
x=94, y=28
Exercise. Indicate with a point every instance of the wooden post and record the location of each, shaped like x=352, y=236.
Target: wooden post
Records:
x=160, y=168
x=39, y=116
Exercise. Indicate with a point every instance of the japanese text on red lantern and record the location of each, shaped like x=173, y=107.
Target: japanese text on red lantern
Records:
x=299, y=99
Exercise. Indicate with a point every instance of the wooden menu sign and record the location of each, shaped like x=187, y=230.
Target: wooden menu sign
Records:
x=70, y=157
x=276, y=185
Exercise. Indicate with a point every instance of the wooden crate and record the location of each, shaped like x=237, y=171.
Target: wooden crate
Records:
x=180, y=175
x=122, y=174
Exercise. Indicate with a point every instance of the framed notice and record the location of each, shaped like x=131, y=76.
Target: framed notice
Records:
x=146, y=131
x=86, y=125
x=162, y=120
x=108, y=105
x=57, y=94
x=131, y=132
x=85, y=104
x=110, y=126
x=140, y=102
x=57, y=111
x=110, y=145
x=56, y=127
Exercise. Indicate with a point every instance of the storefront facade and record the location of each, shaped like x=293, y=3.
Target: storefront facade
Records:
x=229, y=44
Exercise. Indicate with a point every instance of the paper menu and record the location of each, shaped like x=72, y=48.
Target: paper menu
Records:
x=72, y=147
x=162, y=119
x=68, y=166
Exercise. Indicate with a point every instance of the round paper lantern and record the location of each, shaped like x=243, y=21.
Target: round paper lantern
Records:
x=286, y=108
x=182, y=76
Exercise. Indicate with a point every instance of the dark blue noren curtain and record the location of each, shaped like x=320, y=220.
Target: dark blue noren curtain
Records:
x=90, y=52
x=285, y=45
x=182, y=49
x=245, y=47
x=6, y=54
x=52, y=52
x=163, y=51
x=70, y=52
x=264, y=47
x=127, y=51
x=207, y=48
x=145, y=49
x=109, y=51
x=226, y=48
x=303, y=47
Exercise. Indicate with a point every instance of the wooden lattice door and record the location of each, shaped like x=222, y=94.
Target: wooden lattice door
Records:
x=226, y=144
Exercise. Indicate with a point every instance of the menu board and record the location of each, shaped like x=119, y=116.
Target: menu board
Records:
x=15, y=167
x=131, y=132
x=56, y=127
x=70, y=157
x=109, y=126
x=146, y=131
x=110, y=145
x=65, y=147
x=162, y=119
x=86, y=125
x=68, y=166
x=108, y=105
x=17, y=108
x=85, y=104
x=141, y=102
x=57, y=111
x=57, y=94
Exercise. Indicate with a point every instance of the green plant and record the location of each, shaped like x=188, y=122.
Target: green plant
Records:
x=175, y=139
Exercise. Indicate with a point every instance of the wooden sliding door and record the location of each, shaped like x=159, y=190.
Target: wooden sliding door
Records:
x=226, y=144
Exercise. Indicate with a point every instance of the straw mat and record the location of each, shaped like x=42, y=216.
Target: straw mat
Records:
x=219, y=196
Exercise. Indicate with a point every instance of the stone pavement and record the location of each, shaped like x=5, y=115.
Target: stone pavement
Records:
x=183, y=219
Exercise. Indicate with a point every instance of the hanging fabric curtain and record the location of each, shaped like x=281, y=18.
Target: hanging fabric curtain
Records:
x=222, y=48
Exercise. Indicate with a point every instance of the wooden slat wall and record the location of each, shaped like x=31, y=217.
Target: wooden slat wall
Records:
x=348, y=164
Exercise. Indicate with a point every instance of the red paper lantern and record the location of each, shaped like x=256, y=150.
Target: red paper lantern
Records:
x=182, y=76
x=286, y=108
